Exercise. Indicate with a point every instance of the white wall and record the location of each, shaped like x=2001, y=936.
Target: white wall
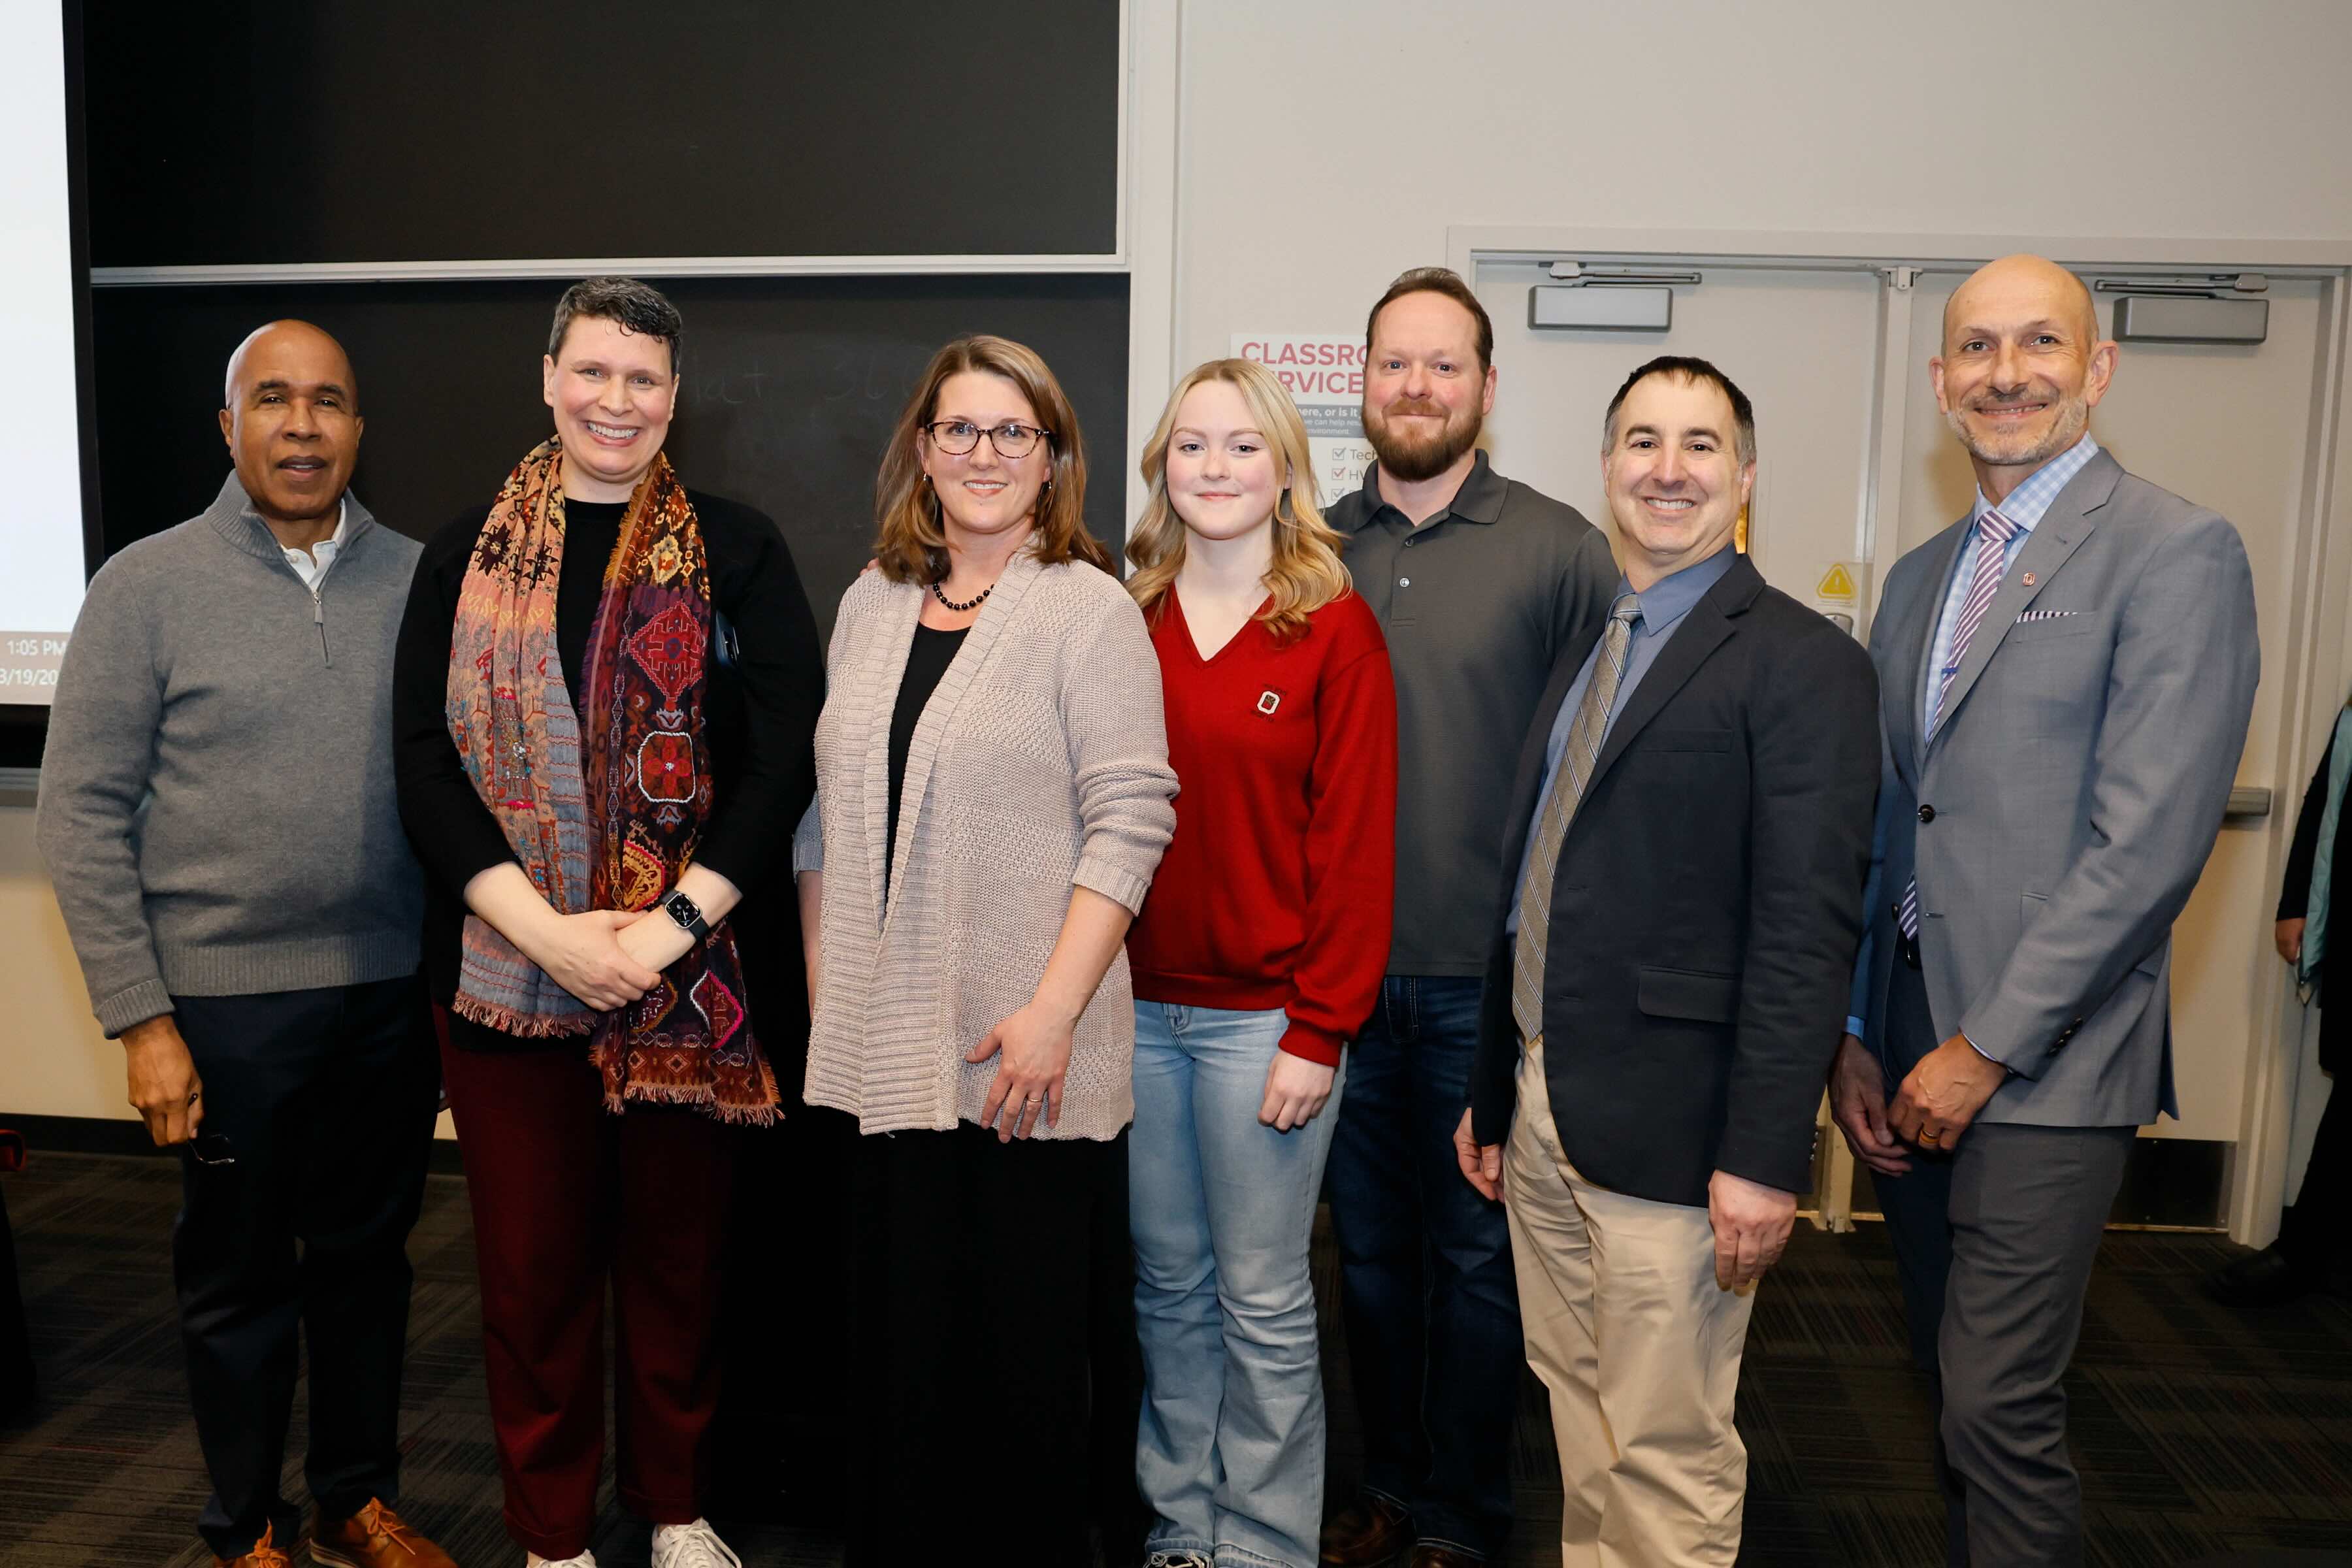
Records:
x=53, y=1060
x=1325, y=145
x=1322, y=146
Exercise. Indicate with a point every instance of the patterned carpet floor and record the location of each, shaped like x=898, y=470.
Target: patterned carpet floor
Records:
x=2203, y=1436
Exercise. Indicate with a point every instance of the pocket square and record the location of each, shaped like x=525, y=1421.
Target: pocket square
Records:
x=2044, y=615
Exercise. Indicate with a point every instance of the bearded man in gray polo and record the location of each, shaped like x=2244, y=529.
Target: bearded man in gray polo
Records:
x=1478, y=582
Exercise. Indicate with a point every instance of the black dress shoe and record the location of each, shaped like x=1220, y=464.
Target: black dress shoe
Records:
x=1369, y=1532
x=2265, y=1279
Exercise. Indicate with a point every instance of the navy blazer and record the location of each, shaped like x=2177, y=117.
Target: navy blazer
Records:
x=1707, y=907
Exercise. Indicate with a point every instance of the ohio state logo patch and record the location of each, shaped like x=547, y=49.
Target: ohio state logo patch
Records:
x=1269, y=700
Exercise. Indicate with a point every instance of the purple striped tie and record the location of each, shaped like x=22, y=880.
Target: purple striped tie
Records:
x=1993, y=535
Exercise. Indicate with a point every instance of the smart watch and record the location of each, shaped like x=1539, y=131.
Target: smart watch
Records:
x=690, y=920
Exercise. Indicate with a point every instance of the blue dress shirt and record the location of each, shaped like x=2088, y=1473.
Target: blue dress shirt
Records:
x=1665, y=602
x=2025, y=508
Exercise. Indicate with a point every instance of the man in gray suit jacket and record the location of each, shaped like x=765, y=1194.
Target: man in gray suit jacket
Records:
x=2065, y=677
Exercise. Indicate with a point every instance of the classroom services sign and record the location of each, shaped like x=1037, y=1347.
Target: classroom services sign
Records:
x=1325, y=376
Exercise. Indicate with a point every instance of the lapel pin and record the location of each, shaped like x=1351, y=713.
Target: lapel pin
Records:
x=2028, y=579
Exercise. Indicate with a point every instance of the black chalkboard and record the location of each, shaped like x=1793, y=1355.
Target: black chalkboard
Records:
x=450, y=130
x=792, y=386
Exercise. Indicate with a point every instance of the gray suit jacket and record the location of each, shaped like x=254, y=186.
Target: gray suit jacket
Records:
x=2059, y=818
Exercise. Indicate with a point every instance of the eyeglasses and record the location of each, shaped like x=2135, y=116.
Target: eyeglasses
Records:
x=1011, y=439
x=213, y=1149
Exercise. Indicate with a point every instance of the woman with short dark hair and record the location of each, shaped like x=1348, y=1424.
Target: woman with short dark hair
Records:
x=605, y=691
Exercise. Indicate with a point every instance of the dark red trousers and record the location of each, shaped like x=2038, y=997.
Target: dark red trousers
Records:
x=566, y=1196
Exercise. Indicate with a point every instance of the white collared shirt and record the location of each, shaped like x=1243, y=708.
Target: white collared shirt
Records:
x=311, y=564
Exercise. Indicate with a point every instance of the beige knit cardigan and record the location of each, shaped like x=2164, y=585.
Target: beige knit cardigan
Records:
x=1039, y=763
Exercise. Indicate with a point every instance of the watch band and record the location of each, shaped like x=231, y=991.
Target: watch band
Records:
x=687, y=915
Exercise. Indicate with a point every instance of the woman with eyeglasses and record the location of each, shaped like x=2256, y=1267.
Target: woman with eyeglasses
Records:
x=993, y=798
x=1258, y=956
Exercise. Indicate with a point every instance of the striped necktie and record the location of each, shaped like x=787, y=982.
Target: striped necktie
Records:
x=1993, y=535
x=1585, y=734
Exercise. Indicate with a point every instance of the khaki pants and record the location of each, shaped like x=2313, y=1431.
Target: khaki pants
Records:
x=1639, y=1349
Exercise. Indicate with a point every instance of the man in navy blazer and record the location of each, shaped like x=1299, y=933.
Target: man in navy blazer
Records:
x=2065, y=676
x=1688, y=840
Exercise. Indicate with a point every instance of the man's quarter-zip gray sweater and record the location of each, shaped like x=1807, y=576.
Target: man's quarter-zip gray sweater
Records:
x=216, y=801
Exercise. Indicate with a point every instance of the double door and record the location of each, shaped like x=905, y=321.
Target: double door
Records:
x=1856, y=466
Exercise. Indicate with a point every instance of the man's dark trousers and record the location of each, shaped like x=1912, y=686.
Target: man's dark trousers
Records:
x=1431, y=1305
x=1994, y=1244
x=325, y=1100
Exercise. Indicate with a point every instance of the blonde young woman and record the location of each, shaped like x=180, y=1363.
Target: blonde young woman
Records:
x=992, y=797
x=1259, y=955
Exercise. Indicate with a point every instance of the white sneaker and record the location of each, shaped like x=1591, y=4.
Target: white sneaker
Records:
x=533, y=1560
x=695, y=1545
x=1180, y=1560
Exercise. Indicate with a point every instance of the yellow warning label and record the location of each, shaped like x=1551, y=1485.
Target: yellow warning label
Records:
x=1837, y=582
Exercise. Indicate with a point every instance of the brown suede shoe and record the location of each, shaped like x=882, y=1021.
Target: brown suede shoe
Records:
x=1427, y=1555
x=263, y=1555
x=374, y=1538
x=1369, y=1532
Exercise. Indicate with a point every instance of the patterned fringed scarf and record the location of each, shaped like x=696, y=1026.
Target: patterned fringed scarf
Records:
x=603, y=804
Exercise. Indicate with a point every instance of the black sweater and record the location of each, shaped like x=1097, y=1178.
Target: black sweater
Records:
x=761, y=713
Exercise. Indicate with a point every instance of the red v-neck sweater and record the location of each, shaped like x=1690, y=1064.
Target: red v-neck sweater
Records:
x=1276, y=890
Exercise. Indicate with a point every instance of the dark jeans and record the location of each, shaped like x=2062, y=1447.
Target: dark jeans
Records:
x=1918, y=1206
x=1432, y=1307
x=325, y=1097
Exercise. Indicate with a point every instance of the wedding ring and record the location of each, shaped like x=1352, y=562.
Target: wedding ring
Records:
x=1929, y=1138
x=1036, y=1098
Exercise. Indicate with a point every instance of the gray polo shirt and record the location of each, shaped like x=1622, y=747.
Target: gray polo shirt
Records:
x=1477, y=603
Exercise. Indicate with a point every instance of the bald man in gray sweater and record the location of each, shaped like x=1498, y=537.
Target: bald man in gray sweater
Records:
x=216, y=811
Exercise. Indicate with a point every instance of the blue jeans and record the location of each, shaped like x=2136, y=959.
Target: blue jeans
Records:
x=1432, y=1307
x=1229, y=1453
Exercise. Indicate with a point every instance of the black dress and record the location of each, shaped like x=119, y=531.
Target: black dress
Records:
x=2322, y=1212
x=959, y=1309
x=927, y=661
